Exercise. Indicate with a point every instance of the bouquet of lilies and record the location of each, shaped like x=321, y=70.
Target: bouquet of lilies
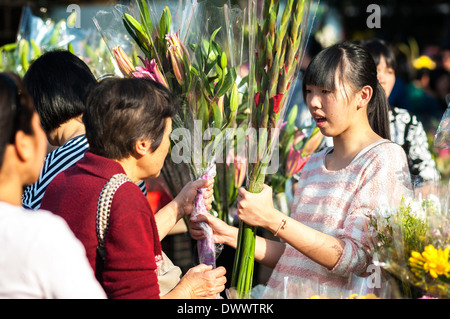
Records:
x=278, y=48
x=412, y=244
x=195, y=55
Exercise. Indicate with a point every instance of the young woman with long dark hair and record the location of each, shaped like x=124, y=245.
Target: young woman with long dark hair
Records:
x=326, y=239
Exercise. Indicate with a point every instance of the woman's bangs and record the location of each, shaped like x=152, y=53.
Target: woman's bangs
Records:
x=322, y=70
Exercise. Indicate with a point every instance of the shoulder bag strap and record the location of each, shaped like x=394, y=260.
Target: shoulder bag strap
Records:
x=104, y=208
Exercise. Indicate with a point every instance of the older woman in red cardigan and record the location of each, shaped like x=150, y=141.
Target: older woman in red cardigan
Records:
x=128, y=122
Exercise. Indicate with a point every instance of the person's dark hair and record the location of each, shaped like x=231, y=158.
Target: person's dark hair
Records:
x=378, y=48
x=313, y=47
x=119, y=111
x=16, y=110
x=436, y=75
x=58, y=82
x=356, y=67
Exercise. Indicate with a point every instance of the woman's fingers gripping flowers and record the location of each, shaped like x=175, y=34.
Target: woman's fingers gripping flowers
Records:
x=222, y=232
x=186, y=197
x=255, y=208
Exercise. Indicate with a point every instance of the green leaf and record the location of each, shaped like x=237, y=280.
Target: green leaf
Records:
x=194, y=71
x=284, y=25
x=292, y=116
x=229, y=80
x=269, y=51
x=36, y=49
x=133, y=22
x=70, y=48
x=274, y=73
x=199, y=57
x=130, y=29
x=262, y=143
x=192, y=46
x=55, y=34
x=216, y=50
x=213, y=37
x=232, y=190
x=204, y=107
x=210, y=66
x=207, y=85
x=9, y=46
x=135, y=58
x=217, y=139
x=244, y=81
x=134, y=28
x=24, y=49
x=145, y=17
x=264, y=112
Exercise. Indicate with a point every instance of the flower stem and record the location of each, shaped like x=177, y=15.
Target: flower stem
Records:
x=244, y=261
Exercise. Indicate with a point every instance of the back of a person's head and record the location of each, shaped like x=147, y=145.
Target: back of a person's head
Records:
x=437, y=75
x=313, y=47
x=120, y=111
x=58, y=82
x=16, y=110
x=378, y=49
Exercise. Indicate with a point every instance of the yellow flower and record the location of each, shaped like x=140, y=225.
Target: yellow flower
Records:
x=432, y=260
x=371, y=296
x=368, y=296
x=424, y=62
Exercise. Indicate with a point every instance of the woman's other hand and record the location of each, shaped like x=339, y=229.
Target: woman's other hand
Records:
x=203, y=282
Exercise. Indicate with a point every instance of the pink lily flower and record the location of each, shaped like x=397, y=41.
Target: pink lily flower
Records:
x=150, y=71
x=177, y=54
x=240, y=169
x=123, y=61
x=295, y=162
x=313, y=142
x=298, y=137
